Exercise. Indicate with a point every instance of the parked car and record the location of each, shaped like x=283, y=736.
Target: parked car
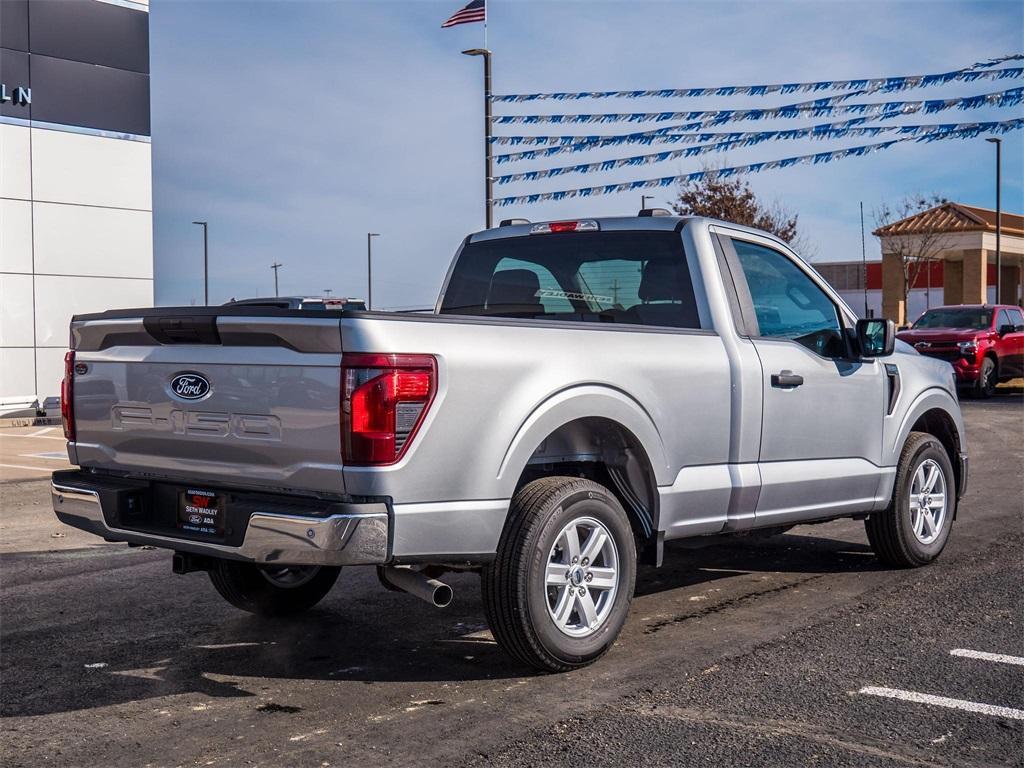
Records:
x=300, y=302
x=583, y=392
x=984, y=342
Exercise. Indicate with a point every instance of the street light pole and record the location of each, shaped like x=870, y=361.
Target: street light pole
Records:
x=488, y=156
x=206, y=265
x=863, y=259
x=275, y=266
x=644, y=199
x=999, y=216
x=369, y=268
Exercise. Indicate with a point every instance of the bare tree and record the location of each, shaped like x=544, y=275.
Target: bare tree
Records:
x=732, y=199
x=915, y=243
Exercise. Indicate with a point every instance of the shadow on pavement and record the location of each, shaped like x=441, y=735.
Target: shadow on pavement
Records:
x=161, y=634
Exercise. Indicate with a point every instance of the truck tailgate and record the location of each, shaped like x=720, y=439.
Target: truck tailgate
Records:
x=239, y=398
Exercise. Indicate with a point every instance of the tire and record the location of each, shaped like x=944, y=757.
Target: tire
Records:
x=272, y=591
x=900, y=536
x=529, y=606
x=985, y=387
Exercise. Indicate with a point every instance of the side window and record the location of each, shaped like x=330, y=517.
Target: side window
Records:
x=1017, y=318
x=787, y=303
x=525, y=283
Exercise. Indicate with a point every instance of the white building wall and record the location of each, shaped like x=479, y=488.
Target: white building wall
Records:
x=75, y=237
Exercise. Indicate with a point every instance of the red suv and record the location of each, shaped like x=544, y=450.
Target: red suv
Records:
x=985, y=343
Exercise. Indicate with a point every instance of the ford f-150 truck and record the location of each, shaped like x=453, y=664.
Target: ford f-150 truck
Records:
x=583, y=392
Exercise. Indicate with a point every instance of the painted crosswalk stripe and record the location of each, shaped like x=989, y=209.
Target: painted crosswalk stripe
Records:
x=942, y=701
x=1002, y=658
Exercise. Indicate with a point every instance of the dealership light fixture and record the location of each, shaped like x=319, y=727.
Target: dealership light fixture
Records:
x=999, y=214
x=369, y=268
x=488, y=156
x=206, y=265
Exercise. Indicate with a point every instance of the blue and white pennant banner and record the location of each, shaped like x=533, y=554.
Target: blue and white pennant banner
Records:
x=829, y=106
x=977, y=71
x=683, y=133
x=677, y=132
x=670, y=135
x=750, y=139
x=815, y=159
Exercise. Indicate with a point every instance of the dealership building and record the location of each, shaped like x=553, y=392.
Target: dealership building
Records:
x=956, y=245
x=76, y=231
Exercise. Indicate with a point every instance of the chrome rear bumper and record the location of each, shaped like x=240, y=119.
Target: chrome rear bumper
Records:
x=359, y=537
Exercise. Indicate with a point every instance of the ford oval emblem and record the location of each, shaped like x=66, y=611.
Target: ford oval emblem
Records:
x=190, y=386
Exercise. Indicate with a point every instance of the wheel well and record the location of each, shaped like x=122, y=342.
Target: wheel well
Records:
x=941, y=426
x=604, y=451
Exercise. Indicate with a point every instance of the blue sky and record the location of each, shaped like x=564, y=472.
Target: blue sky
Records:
x=295, y=128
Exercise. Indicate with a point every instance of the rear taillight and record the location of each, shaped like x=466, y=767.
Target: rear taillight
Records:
x=384, y=399
x=67, y=391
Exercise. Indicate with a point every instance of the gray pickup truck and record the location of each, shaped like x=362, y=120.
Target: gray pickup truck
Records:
x=583, y=392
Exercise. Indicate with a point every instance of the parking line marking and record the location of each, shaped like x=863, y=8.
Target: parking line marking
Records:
x=37, y=436
x=47, y=470
x=985, y=656
x=942, y=701
x=48, y=455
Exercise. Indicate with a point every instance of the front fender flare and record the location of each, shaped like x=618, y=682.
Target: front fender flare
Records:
x=930, y=399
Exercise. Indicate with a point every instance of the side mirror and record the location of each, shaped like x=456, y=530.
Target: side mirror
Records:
x=876, y=337
x=1005, y=329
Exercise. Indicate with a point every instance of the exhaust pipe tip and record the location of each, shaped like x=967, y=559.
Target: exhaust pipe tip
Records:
x=435, y=592
x=443, y=595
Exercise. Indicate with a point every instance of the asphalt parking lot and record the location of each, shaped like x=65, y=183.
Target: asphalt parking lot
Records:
x=31, y=453
x=794, y=650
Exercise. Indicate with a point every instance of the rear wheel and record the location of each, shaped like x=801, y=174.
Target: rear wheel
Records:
x=557, y=594
x=272, y=590
x=986, y=384
x=915, y=527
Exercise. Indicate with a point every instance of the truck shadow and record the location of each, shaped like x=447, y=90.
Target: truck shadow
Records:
x=188, y=641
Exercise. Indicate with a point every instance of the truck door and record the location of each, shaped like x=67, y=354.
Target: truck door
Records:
x=823, y=410
x=1010, y=344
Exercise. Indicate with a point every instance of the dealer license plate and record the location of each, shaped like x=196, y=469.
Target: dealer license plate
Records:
x=201, y=512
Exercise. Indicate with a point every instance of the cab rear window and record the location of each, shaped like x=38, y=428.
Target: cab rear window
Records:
x=637, y=277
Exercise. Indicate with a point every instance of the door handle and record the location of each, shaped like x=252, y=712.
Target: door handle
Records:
x=785, y=379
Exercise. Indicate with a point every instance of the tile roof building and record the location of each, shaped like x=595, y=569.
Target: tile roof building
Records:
x=963, y=238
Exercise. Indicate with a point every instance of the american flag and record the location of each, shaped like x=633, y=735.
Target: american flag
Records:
x=474, y=11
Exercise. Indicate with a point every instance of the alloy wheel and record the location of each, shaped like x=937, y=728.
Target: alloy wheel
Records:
x=581, y=577
x=928, y=501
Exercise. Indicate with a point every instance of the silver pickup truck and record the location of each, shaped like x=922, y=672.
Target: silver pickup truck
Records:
x=583, y=392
